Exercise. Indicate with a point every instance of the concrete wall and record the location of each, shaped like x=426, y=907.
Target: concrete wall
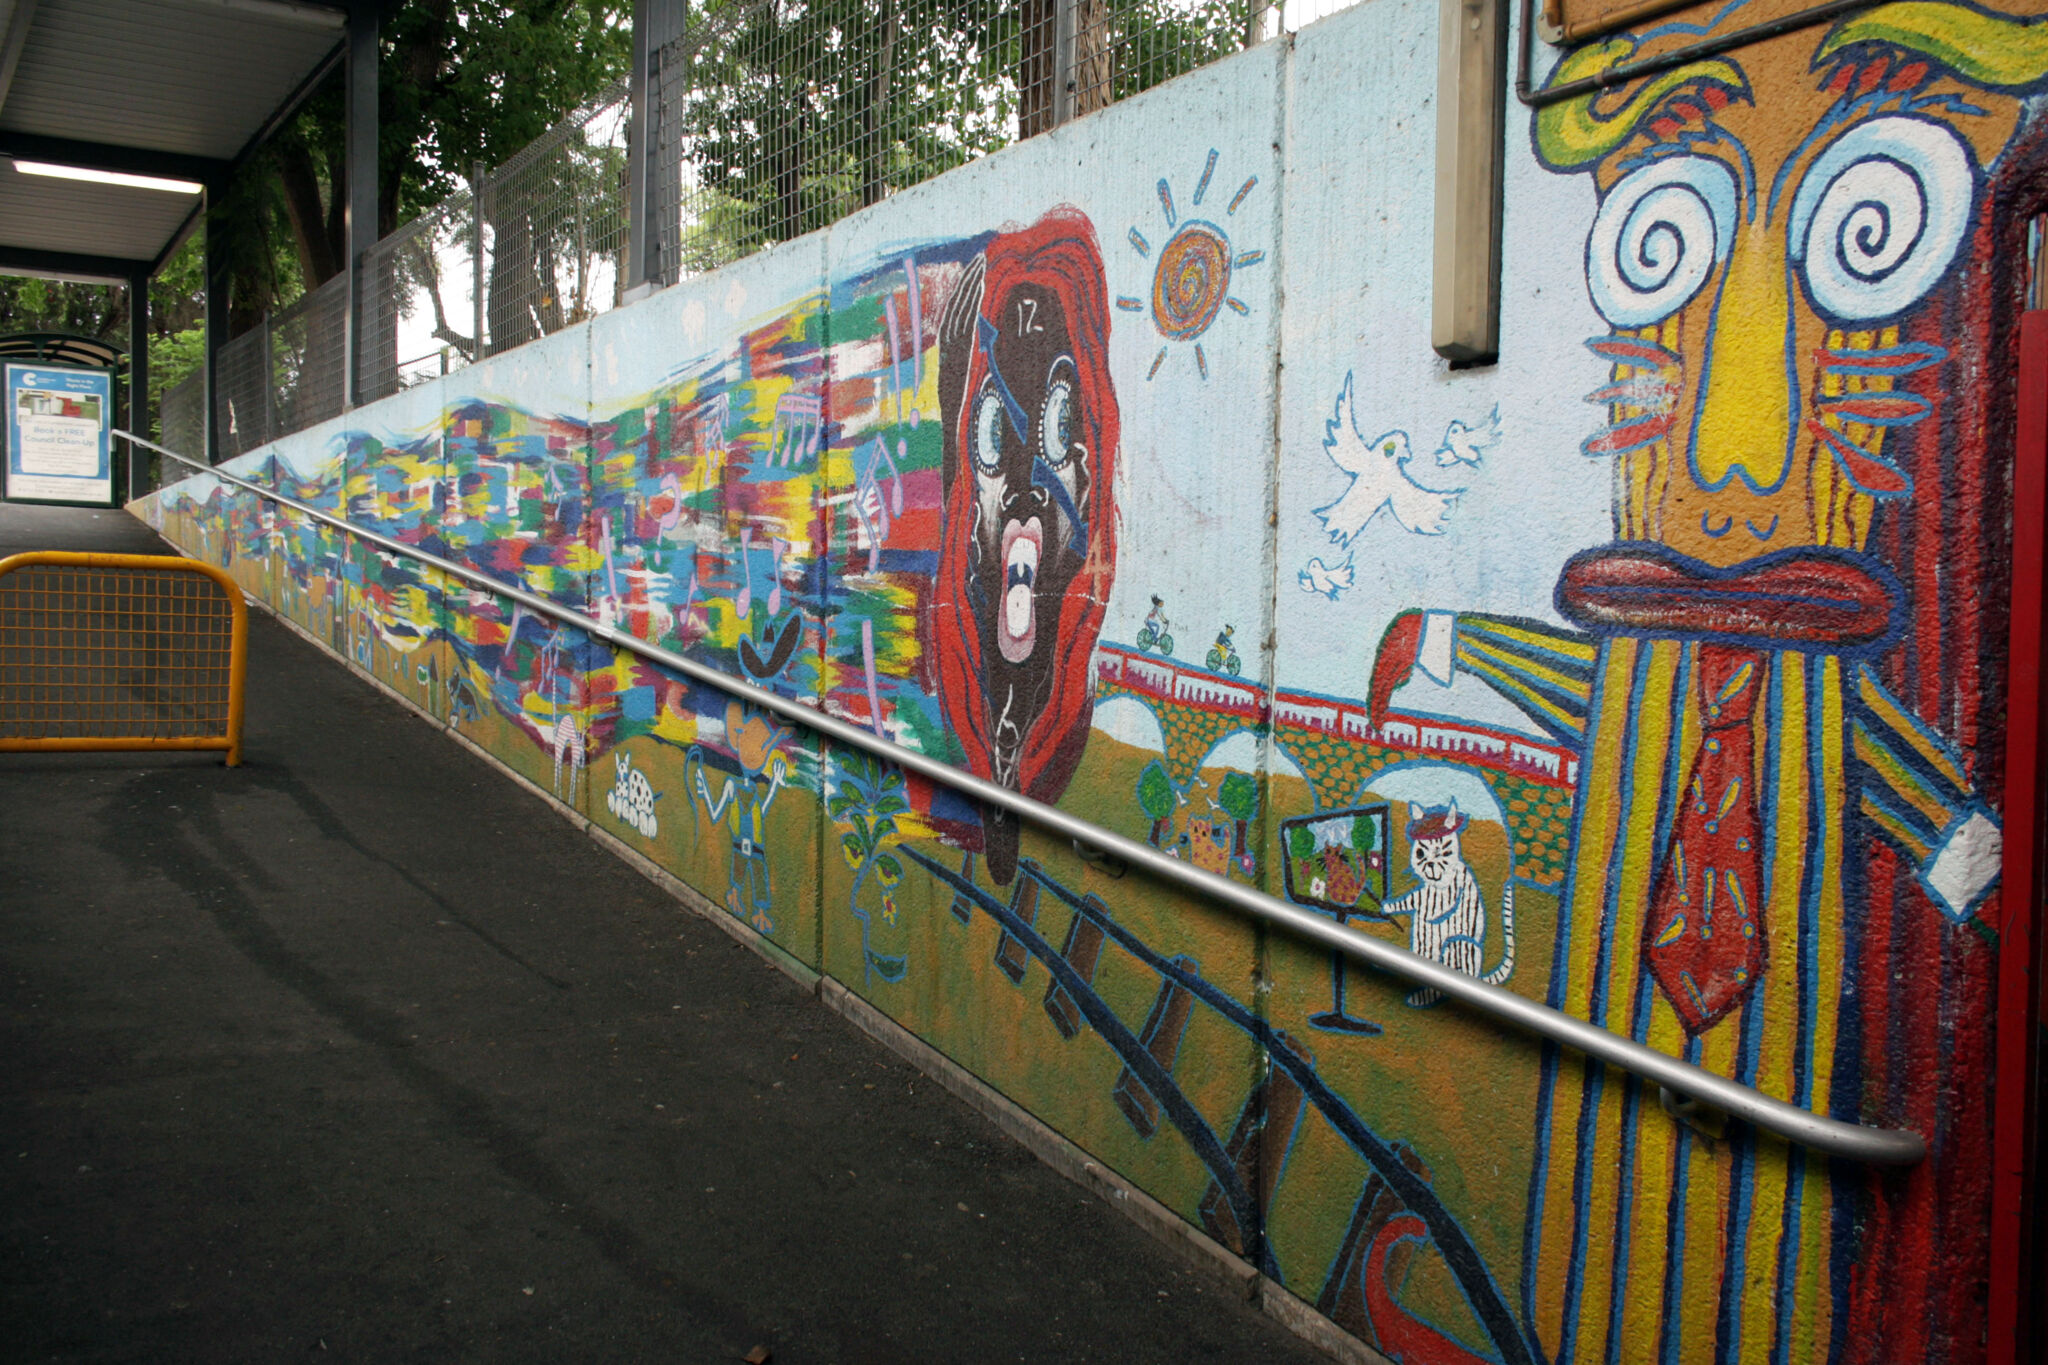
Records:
x=1654, y=672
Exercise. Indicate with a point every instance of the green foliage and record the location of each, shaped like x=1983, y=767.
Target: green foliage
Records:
x=476, y=80
x=1155, y=791
x=1239, y=796
x=177, y=303
x=800, y=113
x=796, y=114
x=460, y=81
x=1301, y=842
x=1156, y=40
x=1365, y=834
x=177, y=293
x=868, y=797
x=171, y=359
x=94, y=310
x=793, y=114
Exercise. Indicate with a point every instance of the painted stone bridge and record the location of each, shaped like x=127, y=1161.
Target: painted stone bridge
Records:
x=1338, y=749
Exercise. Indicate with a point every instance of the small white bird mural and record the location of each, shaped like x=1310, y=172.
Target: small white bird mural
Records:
x=1463, y=445
x=1318, y=577
x=1379, y=479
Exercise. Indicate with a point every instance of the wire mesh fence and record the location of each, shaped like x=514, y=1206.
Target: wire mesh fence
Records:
x=243, y=397
x=181, y=424
x=783, y=116
x=419, y=302
x=554, y=220
x=307, y=343
x=767, y=119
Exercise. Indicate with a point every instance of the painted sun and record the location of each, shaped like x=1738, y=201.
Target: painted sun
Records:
x=1192, y=272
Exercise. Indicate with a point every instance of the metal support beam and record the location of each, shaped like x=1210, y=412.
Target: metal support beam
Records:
x=214, y=271
x=292, y=104
x=362, y=187
x=178, y=238
x=108, y=156
x=319, y=15
x=656, y=24
x=1065, y=82
x=11, y=44
x=479, y=217
x=67, y=265
x=1471, y=114
x=138, y=367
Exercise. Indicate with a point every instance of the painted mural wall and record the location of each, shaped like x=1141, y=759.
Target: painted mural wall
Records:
x=1653, y=673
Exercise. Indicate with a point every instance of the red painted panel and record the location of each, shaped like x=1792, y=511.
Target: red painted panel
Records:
x=2015, y=1253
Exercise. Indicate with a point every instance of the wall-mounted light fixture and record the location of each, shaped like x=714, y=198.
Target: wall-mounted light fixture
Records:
x=1471, y=112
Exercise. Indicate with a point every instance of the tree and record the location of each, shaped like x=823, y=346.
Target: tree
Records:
x=177, y=331
x=100, y=311
x=790, y=114
x=37, y=305
x=1156, y=798
x=1122, y=47
x=798, y=112
x=1365, y=834
x=459, y=82
x=1239, y=797
x=793, y=113
x=1301, y=843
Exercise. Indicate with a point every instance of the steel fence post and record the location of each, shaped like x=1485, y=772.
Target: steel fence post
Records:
x=269, y=430
x=476, y=209
x=1064, y=95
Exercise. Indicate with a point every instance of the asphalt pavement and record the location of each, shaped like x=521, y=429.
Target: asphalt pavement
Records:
x=358, y=1052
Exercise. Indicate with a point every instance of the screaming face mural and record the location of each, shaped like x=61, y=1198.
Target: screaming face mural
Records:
x=1688, y=724
x=1029, y=548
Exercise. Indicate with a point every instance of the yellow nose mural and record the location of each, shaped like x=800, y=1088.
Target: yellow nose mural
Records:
x=1745, y=425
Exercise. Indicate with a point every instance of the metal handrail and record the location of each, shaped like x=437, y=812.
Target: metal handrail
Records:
x=1834, y=1137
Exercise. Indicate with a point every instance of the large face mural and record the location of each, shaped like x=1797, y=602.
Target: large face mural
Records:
x=1774, y=677
x=1029, y=547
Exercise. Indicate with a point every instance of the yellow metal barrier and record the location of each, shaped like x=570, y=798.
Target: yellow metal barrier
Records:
x=120, y=652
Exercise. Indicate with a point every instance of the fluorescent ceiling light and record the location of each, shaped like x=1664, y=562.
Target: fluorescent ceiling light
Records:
x=314, y=16
x=134, y=182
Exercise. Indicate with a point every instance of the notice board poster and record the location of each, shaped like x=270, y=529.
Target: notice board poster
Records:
x=58, y=447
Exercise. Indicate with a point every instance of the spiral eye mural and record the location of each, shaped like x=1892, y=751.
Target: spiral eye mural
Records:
x=1056, y=422
x=1880, y=215
x=988, y=429
x=1657, y=236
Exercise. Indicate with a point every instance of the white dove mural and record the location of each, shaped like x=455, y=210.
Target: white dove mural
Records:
x=1318, y=577
x=1463, y=445
x=1379, y=480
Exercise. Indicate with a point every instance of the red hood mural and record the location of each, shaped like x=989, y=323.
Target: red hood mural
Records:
x=1028, y=549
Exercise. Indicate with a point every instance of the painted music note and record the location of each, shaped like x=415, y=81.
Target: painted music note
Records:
x=799, y=430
